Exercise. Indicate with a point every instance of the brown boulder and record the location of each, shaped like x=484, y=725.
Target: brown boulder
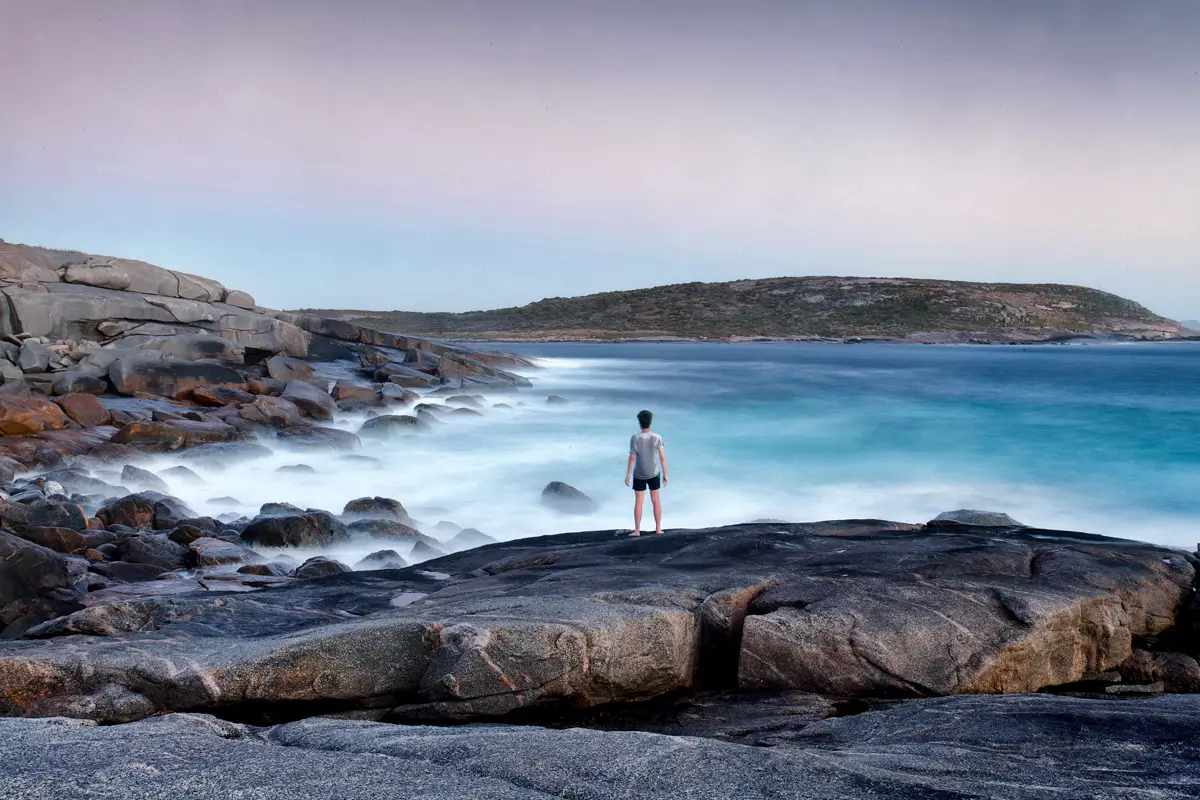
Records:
x=347, y=391
x=274, y=411
x=66, y=540
x=84, y=409
x=22, y=413
x=154, y=436
x=219, y=396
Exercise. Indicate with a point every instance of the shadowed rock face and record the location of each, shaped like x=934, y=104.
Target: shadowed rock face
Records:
x=1026, y=747
x=852, y=608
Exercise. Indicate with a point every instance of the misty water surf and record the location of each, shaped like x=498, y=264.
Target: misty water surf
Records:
x=1098, y=438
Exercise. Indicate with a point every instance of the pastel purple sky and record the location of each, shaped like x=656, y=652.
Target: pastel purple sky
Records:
x=454, y=155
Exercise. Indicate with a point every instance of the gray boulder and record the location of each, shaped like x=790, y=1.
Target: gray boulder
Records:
x=289, y=369
x=34, y=357
x=382, y=559
x=386, y=426
x=987, y=519
x=314, y=402
x=78, y=382
x=566, y=499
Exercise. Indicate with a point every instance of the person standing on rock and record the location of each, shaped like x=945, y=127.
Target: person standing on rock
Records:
x=644, y=449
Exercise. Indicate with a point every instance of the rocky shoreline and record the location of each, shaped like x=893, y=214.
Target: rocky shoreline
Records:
x=147, y=649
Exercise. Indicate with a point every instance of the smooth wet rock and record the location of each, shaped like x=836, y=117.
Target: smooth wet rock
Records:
x=296, y=469
x=387, y=529
x=209, y=552
x=376, y=508
x=468, y=538
x=555, y=400
x=389, y=425
x=422, y=551
x=991, y=519
x=309, y=529
x=312, y=401
x=143, y=479
x=381, y=559
x=317, y=437
x=145, y=510
x=566, y=499
x=153, y=549
x=183, y=475
x=320, y=567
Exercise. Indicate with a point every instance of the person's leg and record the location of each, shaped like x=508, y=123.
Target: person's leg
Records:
x=657, y=510
x=637, y=513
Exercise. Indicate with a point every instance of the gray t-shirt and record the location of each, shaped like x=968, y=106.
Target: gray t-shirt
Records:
x=645, y=446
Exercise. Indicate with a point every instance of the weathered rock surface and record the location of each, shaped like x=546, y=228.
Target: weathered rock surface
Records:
x=1026, y=747
x=84, y=409
x=857, y=608
x=171, y=377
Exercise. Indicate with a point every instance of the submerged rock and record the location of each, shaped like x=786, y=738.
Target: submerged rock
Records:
x=567, y=499
x=989, y=519
x=376, y=508
x=381, y=559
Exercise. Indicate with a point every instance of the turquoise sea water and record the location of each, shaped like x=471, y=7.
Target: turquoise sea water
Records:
x=1103, y=438
x=1099, y=438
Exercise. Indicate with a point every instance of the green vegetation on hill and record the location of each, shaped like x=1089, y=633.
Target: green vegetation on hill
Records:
x=792, y=307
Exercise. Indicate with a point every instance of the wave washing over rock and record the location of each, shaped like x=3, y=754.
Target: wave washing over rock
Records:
x=281, y=643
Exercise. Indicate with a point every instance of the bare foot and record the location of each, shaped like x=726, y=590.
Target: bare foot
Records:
x=635, y=533
x=659, y=532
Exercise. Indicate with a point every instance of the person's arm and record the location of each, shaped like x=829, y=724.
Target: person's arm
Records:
x=629, y=467
x=662, y=459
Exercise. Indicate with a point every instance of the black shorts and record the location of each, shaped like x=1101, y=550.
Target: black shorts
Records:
x=642, y=484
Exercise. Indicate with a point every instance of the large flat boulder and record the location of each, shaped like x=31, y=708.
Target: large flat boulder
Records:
x=852, y=608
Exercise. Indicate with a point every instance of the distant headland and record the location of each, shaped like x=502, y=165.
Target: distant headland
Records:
x=806, y=308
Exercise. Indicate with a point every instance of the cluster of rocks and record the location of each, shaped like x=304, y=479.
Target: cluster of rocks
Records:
x=63, y=550
x=206, y=364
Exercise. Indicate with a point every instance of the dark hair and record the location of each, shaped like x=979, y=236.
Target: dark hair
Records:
x=644, y=418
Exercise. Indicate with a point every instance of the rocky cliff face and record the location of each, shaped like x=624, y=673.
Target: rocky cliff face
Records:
x=64, y=295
